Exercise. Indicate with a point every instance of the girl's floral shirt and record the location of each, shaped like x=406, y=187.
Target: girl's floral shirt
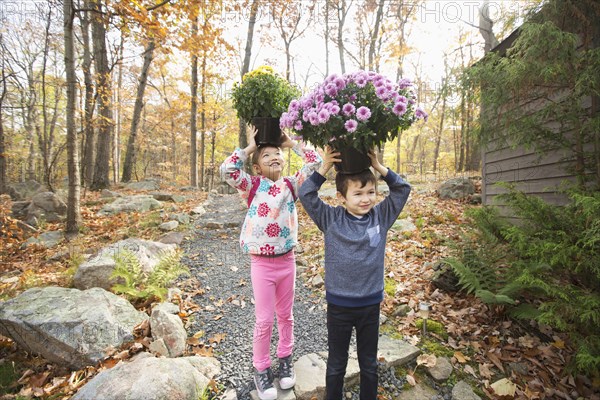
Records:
x=271, y=223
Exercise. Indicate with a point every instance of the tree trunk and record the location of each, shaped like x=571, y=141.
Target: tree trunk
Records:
x=242, y=140
x=375, y=34
x=3, y=156
x=73, y=214
x=130, y=154
x=486, y=27
x=340, y=33
x=104, y=95
x=202, y=119
x=88, y=128
x=194, y=112
x=327, y=37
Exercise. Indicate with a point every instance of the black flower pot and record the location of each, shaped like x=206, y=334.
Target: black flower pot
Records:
x=353, y=161
x=268, y=131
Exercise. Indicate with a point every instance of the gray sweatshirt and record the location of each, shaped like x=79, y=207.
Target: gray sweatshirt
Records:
x=354, y=247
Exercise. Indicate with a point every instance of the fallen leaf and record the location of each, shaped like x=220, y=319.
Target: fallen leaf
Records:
x=460, y=357
x=428, y=360
x=411, y=380
x=484, y=370
x=504, y=387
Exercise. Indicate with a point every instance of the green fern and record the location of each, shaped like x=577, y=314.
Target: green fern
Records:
x=136, y=284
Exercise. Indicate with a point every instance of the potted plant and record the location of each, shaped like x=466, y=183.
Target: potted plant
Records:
x=260, y=99
x=355, y=112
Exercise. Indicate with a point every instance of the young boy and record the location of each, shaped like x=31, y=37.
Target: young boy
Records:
x=355, y=237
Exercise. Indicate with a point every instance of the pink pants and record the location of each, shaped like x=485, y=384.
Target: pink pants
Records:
x=273, y=283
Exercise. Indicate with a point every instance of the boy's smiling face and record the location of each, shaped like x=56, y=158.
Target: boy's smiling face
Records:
x=270, y=163
x=359, y=200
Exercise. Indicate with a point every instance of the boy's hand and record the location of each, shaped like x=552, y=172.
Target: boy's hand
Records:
x=286, y=141
x=376, y=164
x=330, y=157
x=251, y=148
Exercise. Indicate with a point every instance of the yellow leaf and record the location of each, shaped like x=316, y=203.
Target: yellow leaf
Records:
x=428, y=360
x=504, y=387
x=460, y=357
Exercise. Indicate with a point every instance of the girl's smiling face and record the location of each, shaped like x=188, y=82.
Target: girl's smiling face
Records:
x=359, y=200
x=270, y=163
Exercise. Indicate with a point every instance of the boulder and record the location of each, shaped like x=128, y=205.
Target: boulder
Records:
x=46, y=239
x=70, y=327
x=168, y=226
x=456, y=188
x=462, y=391
x=47, y=206
x=166, y=326
x=24, y=190
x=445, y=278
x=97, y=271
x=172, y=238
x=140, y=203
x=147, y=377
x=143, y=185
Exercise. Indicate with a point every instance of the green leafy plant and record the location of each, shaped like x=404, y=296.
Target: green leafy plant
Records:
x=543, y=268
x=136, y=284
x=262, y=93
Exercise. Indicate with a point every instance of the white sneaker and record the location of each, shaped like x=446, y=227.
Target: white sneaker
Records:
x=264, y=384
x=287, y=376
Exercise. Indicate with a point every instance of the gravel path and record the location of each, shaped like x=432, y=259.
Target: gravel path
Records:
x=213, y=256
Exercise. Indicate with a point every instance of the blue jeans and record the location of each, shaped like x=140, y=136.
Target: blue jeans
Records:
x=340, y=321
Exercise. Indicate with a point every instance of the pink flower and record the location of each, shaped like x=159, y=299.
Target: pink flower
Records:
x=267, y=250
x=348, y=109
x=274, y=191
x=294, y=105
x=298, y=125
x=399, y=108
x=363, y=113
x=351, y=125
x=323, y=116
x=263, y=210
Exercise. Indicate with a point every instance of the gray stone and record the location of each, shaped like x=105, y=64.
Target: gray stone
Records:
x=214, y=225
x=445, y=278
x=24, y=190
x=396, y=352
x=159, y=348
x=182, y=218
x=140, y=203
x=317, y=281
x=19, y=209
x=456, y=188
x=419, y=392
x=97, y=271
x=172, y=238
x=230, y=394
x=198, y=211
x=47, y=206
x=107, y=194
x=166, y=325
x=404, y=225
x=402, y=310
x=462, y=391
x=70, y=327
x=310, y=377
x=442, y=369
x=46, y=239
x=143, y=185
x=168, y=226
x=146, y=378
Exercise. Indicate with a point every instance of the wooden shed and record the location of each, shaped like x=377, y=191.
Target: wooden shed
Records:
x=533, y=169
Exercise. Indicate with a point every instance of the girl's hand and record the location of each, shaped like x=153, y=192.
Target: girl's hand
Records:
x=331, y=156
x=286, y=141
x=251, y=135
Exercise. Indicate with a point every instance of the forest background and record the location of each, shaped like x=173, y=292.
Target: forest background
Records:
x=151, y=79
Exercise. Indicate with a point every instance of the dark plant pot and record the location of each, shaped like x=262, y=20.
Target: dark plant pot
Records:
x=268, y=131
x=353, y=161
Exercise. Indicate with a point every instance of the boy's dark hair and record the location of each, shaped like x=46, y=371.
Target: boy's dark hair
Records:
x=258, y=152
x=364, y=177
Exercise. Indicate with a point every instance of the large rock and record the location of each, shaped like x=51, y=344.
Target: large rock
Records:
x=97, y=271
x=45, y=206
x=166, y=326
x=67, y=326
x=140, y=203
x=456, y=188
x=147, y=377
x=143, y=185
x=24, y=190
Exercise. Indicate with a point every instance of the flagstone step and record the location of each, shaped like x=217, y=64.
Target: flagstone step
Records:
x=310, y=369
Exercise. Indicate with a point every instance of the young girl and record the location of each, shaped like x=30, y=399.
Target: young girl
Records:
x=269, y=234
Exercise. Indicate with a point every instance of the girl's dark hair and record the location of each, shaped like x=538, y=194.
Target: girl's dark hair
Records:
x=258, y=152
x=364, y=177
